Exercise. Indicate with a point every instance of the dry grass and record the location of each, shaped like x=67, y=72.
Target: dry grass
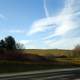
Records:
x=45, y=51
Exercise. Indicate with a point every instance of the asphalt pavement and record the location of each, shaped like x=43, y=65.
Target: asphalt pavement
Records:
x=52, y=74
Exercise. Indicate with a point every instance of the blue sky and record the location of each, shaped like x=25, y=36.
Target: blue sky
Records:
x=41, y=24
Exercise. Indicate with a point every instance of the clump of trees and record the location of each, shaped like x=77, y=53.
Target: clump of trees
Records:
x=9, y=43
x=76, y=51
x=77, y=47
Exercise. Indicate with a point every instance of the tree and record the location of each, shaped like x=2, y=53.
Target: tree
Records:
x=77, y=47
x=2, y=44
x=77, y=51
x=19, y=46
x=10, y=43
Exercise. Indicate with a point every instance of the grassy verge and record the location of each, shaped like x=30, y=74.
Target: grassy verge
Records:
x=12, y=67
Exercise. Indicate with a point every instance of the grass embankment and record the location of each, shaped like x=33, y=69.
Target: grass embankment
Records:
x=13, y=67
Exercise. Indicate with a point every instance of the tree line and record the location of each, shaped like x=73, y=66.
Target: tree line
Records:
x=9, y=43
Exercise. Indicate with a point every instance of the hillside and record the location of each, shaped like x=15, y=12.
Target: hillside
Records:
x=28, y=60
x=45, y=52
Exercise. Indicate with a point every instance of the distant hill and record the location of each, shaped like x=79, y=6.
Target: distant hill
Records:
x=44, y=52
x=32, y=55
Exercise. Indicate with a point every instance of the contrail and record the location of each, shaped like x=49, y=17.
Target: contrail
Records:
x=45, y=9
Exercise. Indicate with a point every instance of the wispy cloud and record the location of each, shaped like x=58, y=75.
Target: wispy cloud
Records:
x=29, y=44
x=65, y=20
x=18, y=31
x=68, y=20
x=45, y=9
x=41, y=25
x=25, y=41
x=2, y=16
x=64, y=43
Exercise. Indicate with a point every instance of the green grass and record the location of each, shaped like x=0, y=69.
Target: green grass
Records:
x=46, y=51
x=13, y=67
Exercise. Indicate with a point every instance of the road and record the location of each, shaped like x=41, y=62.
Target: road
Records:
x=57, y=74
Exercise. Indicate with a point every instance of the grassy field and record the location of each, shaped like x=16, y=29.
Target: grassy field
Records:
x=46, y=52
x=23, y=66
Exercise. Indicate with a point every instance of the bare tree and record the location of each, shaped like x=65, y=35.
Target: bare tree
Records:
x=19, y=46
x=76, y=51
x=77, y=47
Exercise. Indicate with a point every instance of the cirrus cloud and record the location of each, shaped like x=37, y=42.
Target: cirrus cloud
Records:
x=67, y=21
